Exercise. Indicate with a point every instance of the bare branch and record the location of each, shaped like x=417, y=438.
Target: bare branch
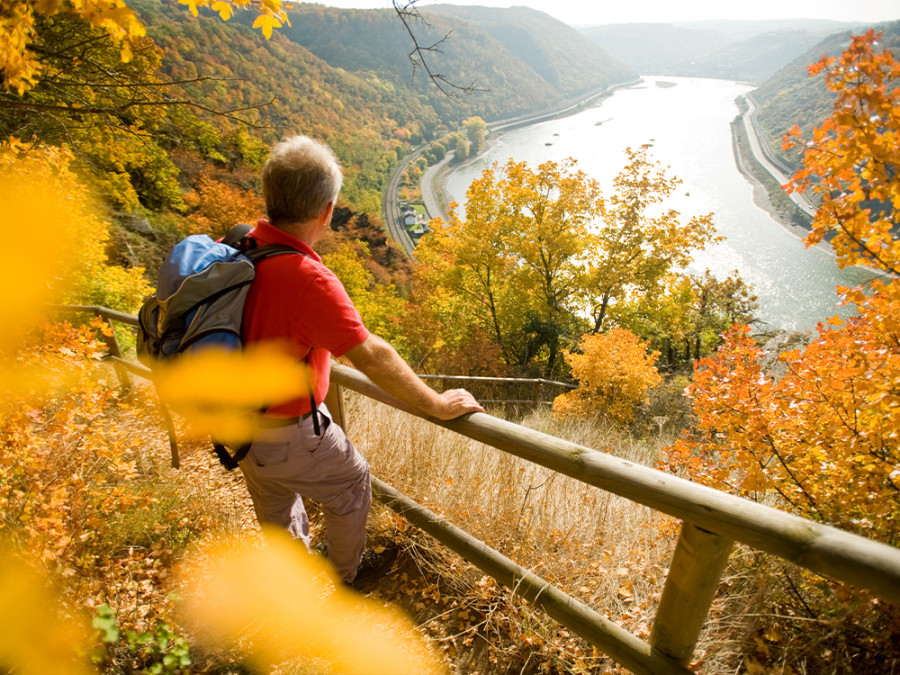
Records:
x=136, y=84
x=119, y=109
x=409, y=14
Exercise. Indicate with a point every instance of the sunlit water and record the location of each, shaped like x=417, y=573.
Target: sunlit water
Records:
x=688, y=127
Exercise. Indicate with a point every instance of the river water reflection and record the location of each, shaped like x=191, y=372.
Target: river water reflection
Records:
x=687, y=126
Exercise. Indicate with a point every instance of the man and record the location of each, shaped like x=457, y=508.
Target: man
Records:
x=298, y=302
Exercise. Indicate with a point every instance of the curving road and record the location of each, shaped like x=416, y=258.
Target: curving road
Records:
x=762, y=157
x=433, y=202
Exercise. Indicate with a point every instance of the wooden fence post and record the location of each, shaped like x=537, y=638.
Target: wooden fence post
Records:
x=112, y=344
x=697, y=565
x=536, y=393
x=334, y=399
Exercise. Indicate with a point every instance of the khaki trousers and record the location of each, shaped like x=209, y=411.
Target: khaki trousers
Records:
x=286, y=464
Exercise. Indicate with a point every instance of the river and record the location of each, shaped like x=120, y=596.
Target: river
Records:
x=688, y=127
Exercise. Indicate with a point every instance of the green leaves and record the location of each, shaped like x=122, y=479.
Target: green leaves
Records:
x=105, y=621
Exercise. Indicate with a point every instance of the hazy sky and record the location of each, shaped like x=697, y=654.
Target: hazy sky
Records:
x=596, y=12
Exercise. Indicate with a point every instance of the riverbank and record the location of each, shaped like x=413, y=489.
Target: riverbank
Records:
x=433, y=187
x=767, y=193
x=434, y=181
x=433, y=184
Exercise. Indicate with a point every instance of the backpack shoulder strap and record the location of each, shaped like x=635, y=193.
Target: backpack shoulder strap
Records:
x=250, y=248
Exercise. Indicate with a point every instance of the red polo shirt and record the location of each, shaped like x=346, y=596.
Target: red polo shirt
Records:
x=297, y=301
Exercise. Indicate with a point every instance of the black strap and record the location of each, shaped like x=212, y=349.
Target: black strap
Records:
x=315, y=414
x=228, y=460
x=251, y=248
x=313, y=406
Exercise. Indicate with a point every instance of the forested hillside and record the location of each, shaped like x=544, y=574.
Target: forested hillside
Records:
x=749, y=51
x=571, y=63
x=517, y=60
x=792, y=97
x=361, y=116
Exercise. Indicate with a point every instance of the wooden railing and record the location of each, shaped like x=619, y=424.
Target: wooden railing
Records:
x=484, y=389
x=711, y=522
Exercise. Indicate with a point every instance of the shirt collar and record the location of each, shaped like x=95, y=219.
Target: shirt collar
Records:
x=266, y=233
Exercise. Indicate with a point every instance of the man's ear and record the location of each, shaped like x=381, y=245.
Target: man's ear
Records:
x=327, y=212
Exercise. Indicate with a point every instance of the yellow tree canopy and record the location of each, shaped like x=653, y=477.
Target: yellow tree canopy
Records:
x=20, y=66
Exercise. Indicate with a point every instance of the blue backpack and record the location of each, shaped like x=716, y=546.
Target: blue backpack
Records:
x=199, y=303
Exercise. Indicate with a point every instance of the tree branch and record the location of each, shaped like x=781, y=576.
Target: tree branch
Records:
x=119, y=109
x=409, y=15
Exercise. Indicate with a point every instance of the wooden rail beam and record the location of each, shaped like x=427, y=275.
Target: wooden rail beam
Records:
x=619, y=644
x=835, y=553
x=105, y=312
x=498, y=380
x=694, y=574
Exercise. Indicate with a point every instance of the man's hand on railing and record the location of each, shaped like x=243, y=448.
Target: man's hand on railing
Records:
x=456, y=402
x=383, y=365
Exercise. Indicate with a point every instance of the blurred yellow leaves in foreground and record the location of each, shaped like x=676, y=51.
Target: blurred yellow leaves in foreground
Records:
x=221, y=393
x=36, y=223
x=56, y=242
x=280, y=605
x=35, y=639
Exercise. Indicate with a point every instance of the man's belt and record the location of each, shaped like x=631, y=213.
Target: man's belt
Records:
x=278, y=422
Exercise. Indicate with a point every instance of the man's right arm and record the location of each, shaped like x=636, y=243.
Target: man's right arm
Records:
x=381, y=363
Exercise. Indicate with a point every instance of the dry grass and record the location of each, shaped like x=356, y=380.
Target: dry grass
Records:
x=606, y=551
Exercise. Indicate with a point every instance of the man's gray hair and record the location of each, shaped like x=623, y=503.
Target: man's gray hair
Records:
x=299, y=179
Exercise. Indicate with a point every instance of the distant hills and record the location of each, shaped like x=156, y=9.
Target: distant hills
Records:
x=518, y=60
x=771, y=54
x=750, y=51
x=791, y=97
x=569, y=62
x=345, y=75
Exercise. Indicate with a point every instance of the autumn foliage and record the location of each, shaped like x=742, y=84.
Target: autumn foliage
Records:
x=614, y=372
x=542, y=256
x=48, y=215
x=852, y=158
x=75, y=501
x=21, y=65
x=216, y=207
x=819, y=428
x=822, y=436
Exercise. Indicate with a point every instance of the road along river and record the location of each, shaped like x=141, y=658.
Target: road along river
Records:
x=688, y=129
